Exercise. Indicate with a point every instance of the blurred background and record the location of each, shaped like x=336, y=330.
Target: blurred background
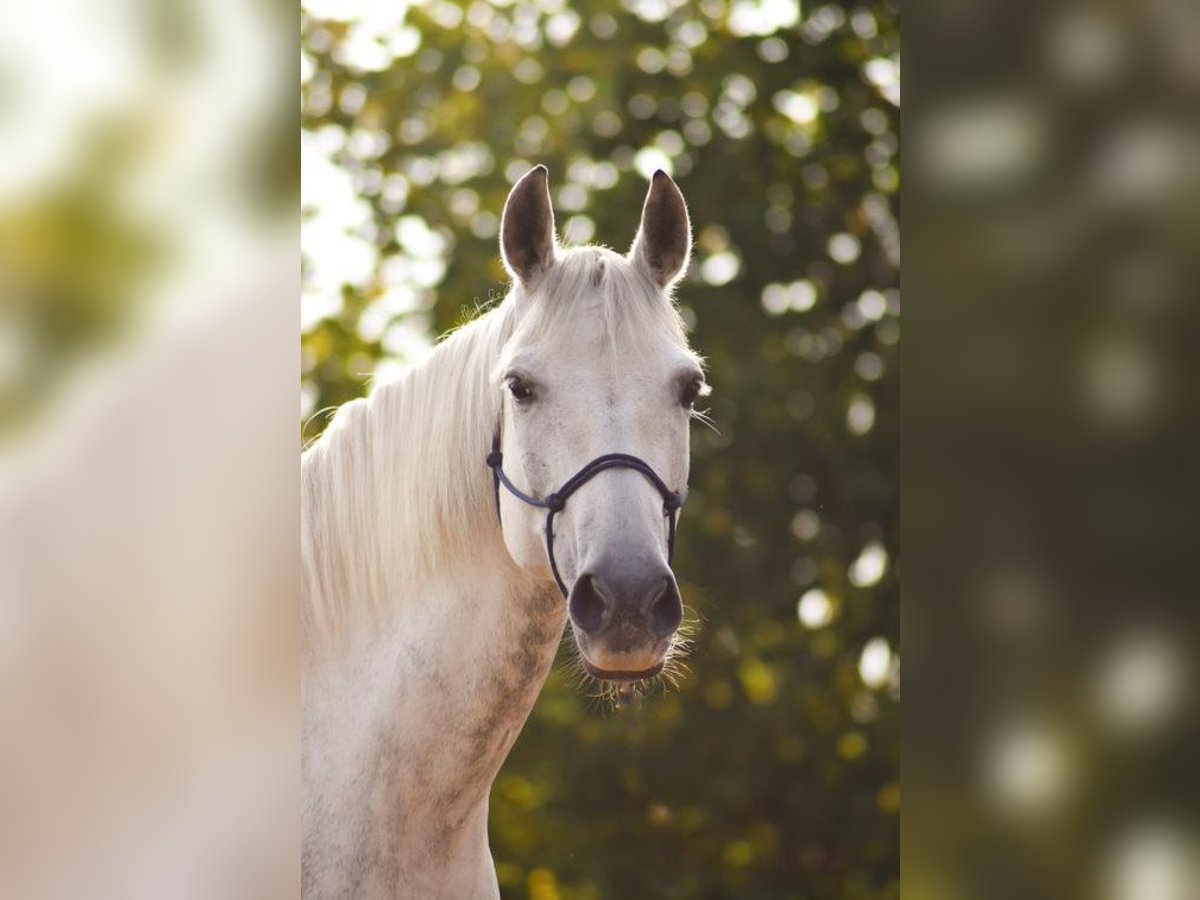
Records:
x=148, y=279
x=771, y=770
x=1050, y=450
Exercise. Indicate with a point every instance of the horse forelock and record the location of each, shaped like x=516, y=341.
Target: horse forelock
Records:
x=599, y=291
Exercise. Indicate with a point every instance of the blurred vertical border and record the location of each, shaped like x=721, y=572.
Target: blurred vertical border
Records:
x=1050, y=450
x=148, y=278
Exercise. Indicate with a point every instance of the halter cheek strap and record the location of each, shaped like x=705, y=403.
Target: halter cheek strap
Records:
x=554, y=503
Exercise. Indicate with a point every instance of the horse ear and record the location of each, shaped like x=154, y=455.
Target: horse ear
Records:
x=664, y=239
x=527, y=227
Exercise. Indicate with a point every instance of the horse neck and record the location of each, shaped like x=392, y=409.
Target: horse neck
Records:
x=396, y=491
x=403, y=741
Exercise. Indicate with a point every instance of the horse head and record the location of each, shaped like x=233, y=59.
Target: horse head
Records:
x=597, y=388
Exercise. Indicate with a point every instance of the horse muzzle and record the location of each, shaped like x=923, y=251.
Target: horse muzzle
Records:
x=624, y=619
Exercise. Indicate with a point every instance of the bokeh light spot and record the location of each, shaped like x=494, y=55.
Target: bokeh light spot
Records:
x=868, y=568
x=875, y=662
x=815, y=609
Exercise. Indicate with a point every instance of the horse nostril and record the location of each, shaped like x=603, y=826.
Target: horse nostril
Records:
x=589, y=609
x=666, y=611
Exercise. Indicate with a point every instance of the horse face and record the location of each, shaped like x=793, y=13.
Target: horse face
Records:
x=598, y=364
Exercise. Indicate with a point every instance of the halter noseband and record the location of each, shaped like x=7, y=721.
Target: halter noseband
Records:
x=555, y=502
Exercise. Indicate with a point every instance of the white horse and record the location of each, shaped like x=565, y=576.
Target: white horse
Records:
x=431, y=601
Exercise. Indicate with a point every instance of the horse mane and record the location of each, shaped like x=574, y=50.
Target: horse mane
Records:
x=395, y=488
x=392, y=485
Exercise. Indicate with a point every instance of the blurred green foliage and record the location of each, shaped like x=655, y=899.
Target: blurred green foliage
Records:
x=111, y=192
x=71, y=268
x=772, y=770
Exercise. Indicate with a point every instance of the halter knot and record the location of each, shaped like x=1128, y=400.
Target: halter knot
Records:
x=672, y=501
x=494, y=459
x=554, y=502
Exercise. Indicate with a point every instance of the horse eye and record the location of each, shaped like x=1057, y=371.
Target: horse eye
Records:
x=691, y=391
x=520, y=390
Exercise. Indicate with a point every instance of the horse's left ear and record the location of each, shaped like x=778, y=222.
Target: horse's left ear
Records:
x=664, y=239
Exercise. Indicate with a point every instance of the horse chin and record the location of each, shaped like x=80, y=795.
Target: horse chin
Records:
x=622, y=658
x=622, y=676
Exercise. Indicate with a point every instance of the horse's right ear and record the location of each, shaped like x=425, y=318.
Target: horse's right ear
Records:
x=527, y=228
